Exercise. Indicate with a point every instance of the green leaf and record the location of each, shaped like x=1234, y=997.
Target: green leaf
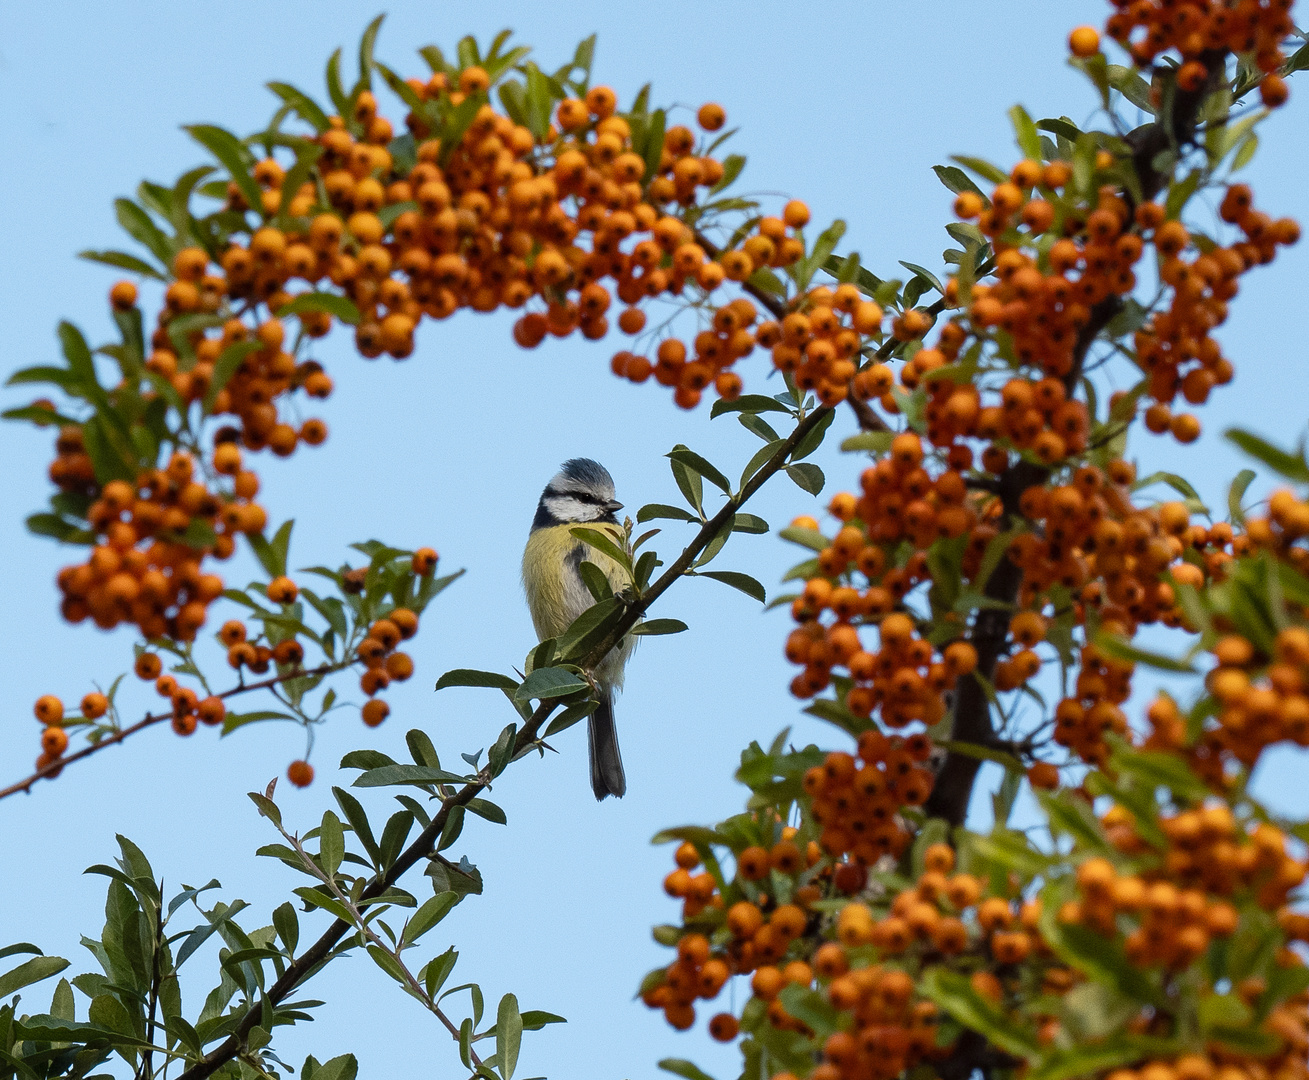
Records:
x=64, y=531
x=229, y=360
x=287, y=926
x=700, y=465
x=660, y=510
x=749, y=523
x=605, y=544
x=747, y=403
x=471, y=677
x=744, y=582
x=683, y=1068
x=1236, y=493
x=813, y=438
x=879, y=442
x=390, y=775
x=956, y=997
x=366, y=44
x=339, y=307
x=658, y=627
x=141, y=228
x=302, y=104
x=1072, y=815
x=483, y=808
x=550, y=682
x=1159, y=769
x=1101, y=959
x=562, y=721
x=1292, y=466
x=31, y=971
x=983, y=169
x=321, y=900
x=590, y=627
x=1099, y=1057
x=1121, y=649
x=807, y=476
x=1029, y=139
x=122, y=261
x=331, y=840
x=810, y=538
x=535, y=1019
x=228, y=149
x=427, y=916
x=957, y=180
x=437, y=970
x=508, y=1035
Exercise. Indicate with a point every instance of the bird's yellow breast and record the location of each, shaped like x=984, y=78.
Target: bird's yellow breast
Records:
x=556, y=594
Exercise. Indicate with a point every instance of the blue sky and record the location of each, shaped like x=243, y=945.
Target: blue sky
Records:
x=847, y=107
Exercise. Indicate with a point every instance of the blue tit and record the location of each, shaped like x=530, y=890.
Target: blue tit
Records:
x=581, y=493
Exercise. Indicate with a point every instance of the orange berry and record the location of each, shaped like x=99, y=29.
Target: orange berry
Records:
x=1084, y=42
x=424, y=561
x=211, y=710
x=724, y=1026
x=48, y=709
x=796, y=214
x=94, y=706
x=282, y=590
x=123, y=296
x=54, y=741
x=711, y=116
x=375, y=711
x=300, y=773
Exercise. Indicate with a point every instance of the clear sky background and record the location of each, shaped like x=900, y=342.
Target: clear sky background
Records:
x=846, y=106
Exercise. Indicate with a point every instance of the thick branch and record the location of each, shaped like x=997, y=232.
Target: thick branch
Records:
x=56, y=767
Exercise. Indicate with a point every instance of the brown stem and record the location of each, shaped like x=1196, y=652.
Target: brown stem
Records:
x=150, y=719
x=972, y=715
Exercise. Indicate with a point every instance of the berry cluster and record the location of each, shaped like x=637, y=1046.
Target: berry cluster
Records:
x=153, y=534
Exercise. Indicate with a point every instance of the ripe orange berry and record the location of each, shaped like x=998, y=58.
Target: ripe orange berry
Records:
x=1273, y=90
x=123, y=296
x=474, y=80
x=94, y=706
x=686, y=856
x=1084, y=42
x=405, y=621
x=1044, y=775
x=424, y=561
x=282, y=590
x=211, y=710
x=399, y=666
x=148, y=666
x=711, y=116
x=752, y=863
x=375, y=711
x=796, y=214
x=54, y=741
x=300, y=773
x=48, y=709
x=724, y=1026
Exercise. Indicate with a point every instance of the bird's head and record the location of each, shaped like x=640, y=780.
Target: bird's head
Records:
x=581, y=491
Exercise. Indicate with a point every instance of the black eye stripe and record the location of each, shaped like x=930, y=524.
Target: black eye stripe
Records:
x=580, y=496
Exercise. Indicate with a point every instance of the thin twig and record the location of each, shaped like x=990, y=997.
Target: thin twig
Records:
x=55, y=767
x=415, y=986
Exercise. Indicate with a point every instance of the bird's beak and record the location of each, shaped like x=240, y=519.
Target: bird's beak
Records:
x=613, y=506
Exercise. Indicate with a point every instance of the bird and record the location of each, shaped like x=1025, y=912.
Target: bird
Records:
x=580, y=493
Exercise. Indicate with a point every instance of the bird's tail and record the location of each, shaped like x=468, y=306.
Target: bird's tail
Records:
x=606, y=762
